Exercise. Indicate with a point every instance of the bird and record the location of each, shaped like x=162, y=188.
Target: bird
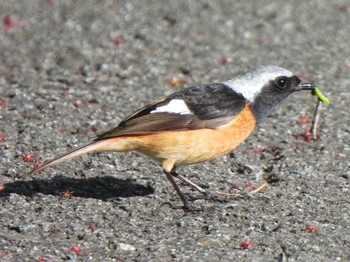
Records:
x=198, y=123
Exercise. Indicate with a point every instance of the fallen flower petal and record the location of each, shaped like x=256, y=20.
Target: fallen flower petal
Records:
x=258, y=150
x=27, y=157
x=2, y=138
x=8, y=22
x=36, y=164
x=42, y=259
x=311, y=229
x=248, y=185
x=246, y=244
x=306, y=136
x=75, y=249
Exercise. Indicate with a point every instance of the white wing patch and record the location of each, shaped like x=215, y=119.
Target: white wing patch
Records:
x=175, y=106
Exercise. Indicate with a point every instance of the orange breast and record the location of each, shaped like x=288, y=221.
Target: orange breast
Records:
x=189, y=147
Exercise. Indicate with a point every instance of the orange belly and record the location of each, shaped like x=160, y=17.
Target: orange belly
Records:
x=195, y=146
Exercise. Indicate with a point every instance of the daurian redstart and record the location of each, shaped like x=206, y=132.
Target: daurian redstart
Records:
x=198, y=123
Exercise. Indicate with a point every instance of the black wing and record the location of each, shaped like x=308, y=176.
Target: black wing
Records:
x=211, y=101
x=209, y=106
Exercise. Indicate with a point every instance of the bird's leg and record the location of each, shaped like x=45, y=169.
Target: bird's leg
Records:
x=189, y=182
x=169, y=170
x=170, y=177
x=208, y=195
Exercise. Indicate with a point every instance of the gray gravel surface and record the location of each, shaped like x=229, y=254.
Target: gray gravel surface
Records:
x=71, y=68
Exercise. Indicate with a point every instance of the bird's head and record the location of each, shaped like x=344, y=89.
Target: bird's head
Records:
x=265, y=87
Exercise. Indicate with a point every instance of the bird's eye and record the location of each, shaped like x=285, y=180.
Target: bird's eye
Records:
x=281, y=82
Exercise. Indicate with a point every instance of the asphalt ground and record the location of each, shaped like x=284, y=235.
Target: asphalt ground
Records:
x=71, y=69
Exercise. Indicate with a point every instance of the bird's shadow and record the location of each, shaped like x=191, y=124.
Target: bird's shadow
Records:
x=104, y=188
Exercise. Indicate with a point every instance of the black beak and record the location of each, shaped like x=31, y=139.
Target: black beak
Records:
x=305, y=86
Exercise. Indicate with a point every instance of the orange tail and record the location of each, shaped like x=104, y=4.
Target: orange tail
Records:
x=91, y=146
